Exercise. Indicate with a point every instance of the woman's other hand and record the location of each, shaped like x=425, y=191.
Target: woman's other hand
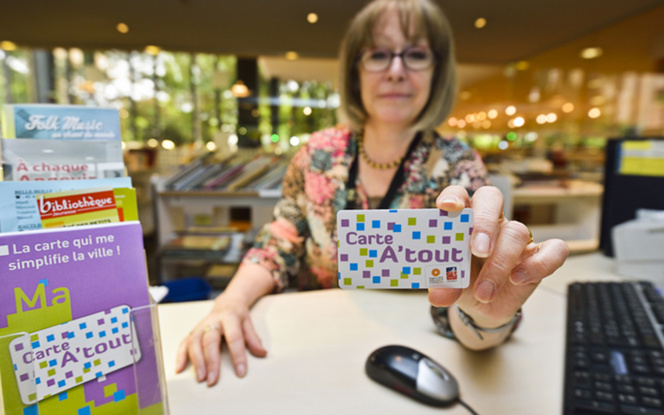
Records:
x=228, y=321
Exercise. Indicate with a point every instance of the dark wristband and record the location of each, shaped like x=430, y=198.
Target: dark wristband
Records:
x=441, y=319
x=478, y=330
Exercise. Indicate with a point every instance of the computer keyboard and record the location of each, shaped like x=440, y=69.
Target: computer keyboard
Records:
x=614, y=360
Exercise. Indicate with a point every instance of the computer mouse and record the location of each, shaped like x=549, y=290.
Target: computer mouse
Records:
x=413, y=374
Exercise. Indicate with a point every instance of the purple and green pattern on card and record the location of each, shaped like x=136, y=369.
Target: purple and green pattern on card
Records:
x=404, y=248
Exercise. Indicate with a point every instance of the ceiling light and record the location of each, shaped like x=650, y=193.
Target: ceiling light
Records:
x=551, y=117
x=452, y=121
x=239, y=89
x=541, y=119
x=76, y=56
x=291, y=56
x=60, y=53
x=461, y=123
x=122, y=28
x=211, y=146
x=7, y=45
x=519, y=122
x=152, y=50
x=480, y=22
x=492, y=114
x=511, y=110
x=568, y=107
x=152, y=142
x=168, y=145
x=594, y=113
x=307, y=111
x=312, y=18
x=591, y=53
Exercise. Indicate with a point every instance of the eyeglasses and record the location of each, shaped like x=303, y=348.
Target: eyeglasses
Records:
x=415, y=58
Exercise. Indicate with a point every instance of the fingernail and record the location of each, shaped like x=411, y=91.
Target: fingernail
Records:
x=448, y=199
x=200, y=374
x=481, y=243
x=240, y=370
x=212, y=377
x=519, y=277
x=485, y=291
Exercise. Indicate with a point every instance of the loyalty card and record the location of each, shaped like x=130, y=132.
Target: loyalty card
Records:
x=404, y=248
x=58, y=358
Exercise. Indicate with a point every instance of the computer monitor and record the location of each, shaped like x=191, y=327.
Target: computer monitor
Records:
x=633, y=179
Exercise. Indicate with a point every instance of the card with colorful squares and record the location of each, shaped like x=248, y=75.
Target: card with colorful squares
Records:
x=58, y=358
x=404, y=248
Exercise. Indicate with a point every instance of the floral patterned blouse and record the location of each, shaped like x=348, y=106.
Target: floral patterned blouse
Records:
x=299, y=246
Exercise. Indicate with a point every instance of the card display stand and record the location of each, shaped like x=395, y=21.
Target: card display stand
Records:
x=140, y=383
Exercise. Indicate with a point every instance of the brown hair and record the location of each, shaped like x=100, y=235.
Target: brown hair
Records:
x=429, y=22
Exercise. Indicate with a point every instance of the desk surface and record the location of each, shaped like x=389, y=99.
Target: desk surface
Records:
x=318, y=341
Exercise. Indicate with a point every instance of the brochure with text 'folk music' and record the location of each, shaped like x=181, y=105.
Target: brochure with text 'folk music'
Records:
x=60, y=122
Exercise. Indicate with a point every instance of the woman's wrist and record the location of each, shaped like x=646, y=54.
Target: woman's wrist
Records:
x=250, y=283
x=482, y=329
x=475, y=336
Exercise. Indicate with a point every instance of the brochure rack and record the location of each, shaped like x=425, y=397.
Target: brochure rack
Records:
x=144, y=394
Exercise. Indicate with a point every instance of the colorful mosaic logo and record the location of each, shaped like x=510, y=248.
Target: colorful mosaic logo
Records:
x=58, y=358
x=404, y=248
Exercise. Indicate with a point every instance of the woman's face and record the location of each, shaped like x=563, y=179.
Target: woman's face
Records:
x=396, y=95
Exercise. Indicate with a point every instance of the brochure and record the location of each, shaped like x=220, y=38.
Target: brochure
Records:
x=27, y=159
x=60, y=122
x=87, y=207
x=18, y=204
x=69, y=339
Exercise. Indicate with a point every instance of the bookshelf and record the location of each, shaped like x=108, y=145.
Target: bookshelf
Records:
x=202, y=212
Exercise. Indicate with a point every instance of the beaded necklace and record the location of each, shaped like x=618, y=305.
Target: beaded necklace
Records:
x=371, y=163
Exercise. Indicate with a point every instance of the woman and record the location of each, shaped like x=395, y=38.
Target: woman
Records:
x=398, y=83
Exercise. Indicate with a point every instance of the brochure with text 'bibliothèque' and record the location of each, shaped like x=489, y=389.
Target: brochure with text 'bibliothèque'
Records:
x=19, y=210
x=70, y=339
x=87, y=207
